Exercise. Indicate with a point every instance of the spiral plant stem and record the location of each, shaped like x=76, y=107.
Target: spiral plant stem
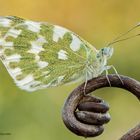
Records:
x=79, y=107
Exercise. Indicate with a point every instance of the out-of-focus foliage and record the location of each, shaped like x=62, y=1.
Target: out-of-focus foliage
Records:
x=33, y=116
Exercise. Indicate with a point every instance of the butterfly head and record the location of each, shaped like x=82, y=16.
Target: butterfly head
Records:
x=105, y=53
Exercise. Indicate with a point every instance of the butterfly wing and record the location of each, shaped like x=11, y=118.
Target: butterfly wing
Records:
x=39, y=55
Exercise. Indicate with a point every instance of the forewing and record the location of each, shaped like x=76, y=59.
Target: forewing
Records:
x=39, y=55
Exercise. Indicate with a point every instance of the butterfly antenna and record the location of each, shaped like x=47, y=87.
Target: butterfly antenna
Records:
x=120, y=40
x=117, y=39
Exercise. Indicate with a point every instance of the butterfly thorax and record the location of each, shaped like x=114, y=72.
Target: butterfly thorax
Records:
x=96, y=66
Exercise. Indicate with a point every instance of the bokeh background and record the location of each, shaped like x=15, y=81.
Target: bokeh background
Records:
x=37, y=115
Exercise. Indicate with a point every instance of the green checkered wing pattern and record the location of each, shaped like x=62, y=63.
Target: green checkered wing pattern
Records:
x=39, y=55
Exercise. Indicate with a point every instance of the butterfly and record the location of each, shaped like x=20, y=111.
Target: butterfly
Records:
x=39, y=55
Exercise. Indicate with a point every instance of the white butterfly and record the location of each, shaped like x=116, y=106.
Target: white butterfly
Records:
x=39, y=55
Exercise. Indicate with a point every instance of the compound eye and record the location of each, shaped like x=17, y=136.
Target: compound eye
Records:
x=105, y=52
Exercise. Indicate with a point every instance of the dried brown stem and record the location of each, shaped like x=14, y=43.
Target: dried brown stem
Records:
x=89, y=107
x=133, y=134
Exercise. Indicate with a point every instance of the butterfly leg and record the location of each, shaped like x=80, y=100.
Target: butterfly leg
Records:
x=106, y=71
x=85, y=86
x=111, y=66
x=117, y=74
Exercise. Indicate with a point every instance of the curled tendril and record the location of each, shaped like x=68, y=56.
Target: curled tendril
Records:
x=86, y=115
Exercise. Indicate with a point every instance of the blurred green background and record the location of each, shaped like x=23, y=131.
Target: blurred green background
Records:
x=34, y=116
